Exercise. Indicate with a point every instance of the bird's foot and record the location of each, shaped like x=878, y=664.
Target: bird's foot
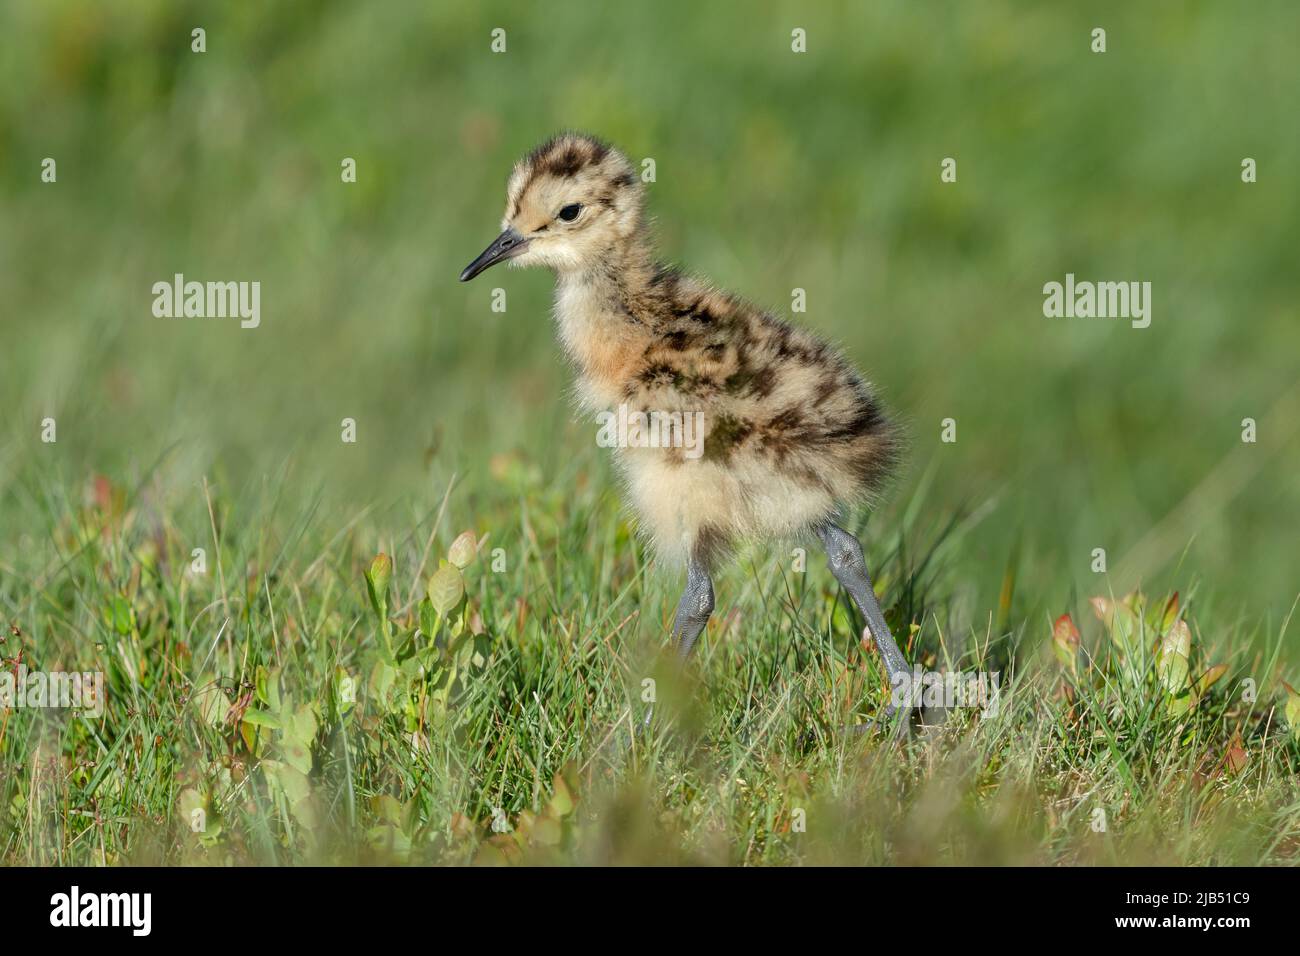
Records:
x=887, y=718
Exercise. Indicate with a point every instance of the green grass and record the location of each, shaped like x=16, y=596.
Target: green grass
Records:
x=775, y=171
x=228, y=693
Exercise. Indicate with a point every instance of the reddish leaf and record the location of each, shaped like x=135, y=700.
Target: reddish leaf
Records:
x=1170, y=613
x=1065, y=642
x=1236, y=758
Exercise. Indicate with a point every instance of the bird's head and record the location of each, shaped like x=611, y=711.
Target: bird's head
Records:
x=569, y=203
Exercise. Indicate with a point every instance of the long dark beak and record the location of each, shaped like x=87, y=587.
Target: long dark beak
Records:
x=505, y=246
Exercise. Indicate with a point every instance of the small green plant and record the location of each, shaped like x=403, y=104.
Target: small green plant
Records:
x=1151, y=652
x=1292, y=711
x=426, y=661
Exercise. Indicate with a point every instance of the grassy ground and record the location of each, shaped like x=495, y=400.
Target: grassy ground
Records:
x=265, y=692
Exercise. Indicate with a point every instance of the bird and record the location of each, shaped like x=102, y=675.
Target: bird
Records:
x=793, y=437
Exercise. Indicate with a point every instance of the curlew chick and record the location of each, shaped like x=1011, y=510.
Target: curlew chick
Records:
x=791, y=434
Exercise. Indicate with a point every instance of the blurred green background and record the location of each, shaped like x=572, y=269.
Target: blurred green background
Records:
x=774, y=171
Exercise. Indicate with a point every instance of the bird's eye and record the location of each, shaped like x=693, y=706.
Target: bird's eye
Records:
x=570, y=212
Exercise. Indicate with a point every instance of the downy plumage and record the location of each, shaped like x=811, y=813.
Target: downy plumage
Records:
x=792, y=433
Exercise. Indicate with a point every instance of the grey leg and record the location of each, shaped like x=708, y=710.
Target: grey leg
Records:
x=850, y=569
x=693, y=609
x=693, y=612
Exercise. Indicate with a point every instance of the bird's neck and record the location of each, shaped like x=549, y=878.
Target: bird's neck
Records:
x=602, y=321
